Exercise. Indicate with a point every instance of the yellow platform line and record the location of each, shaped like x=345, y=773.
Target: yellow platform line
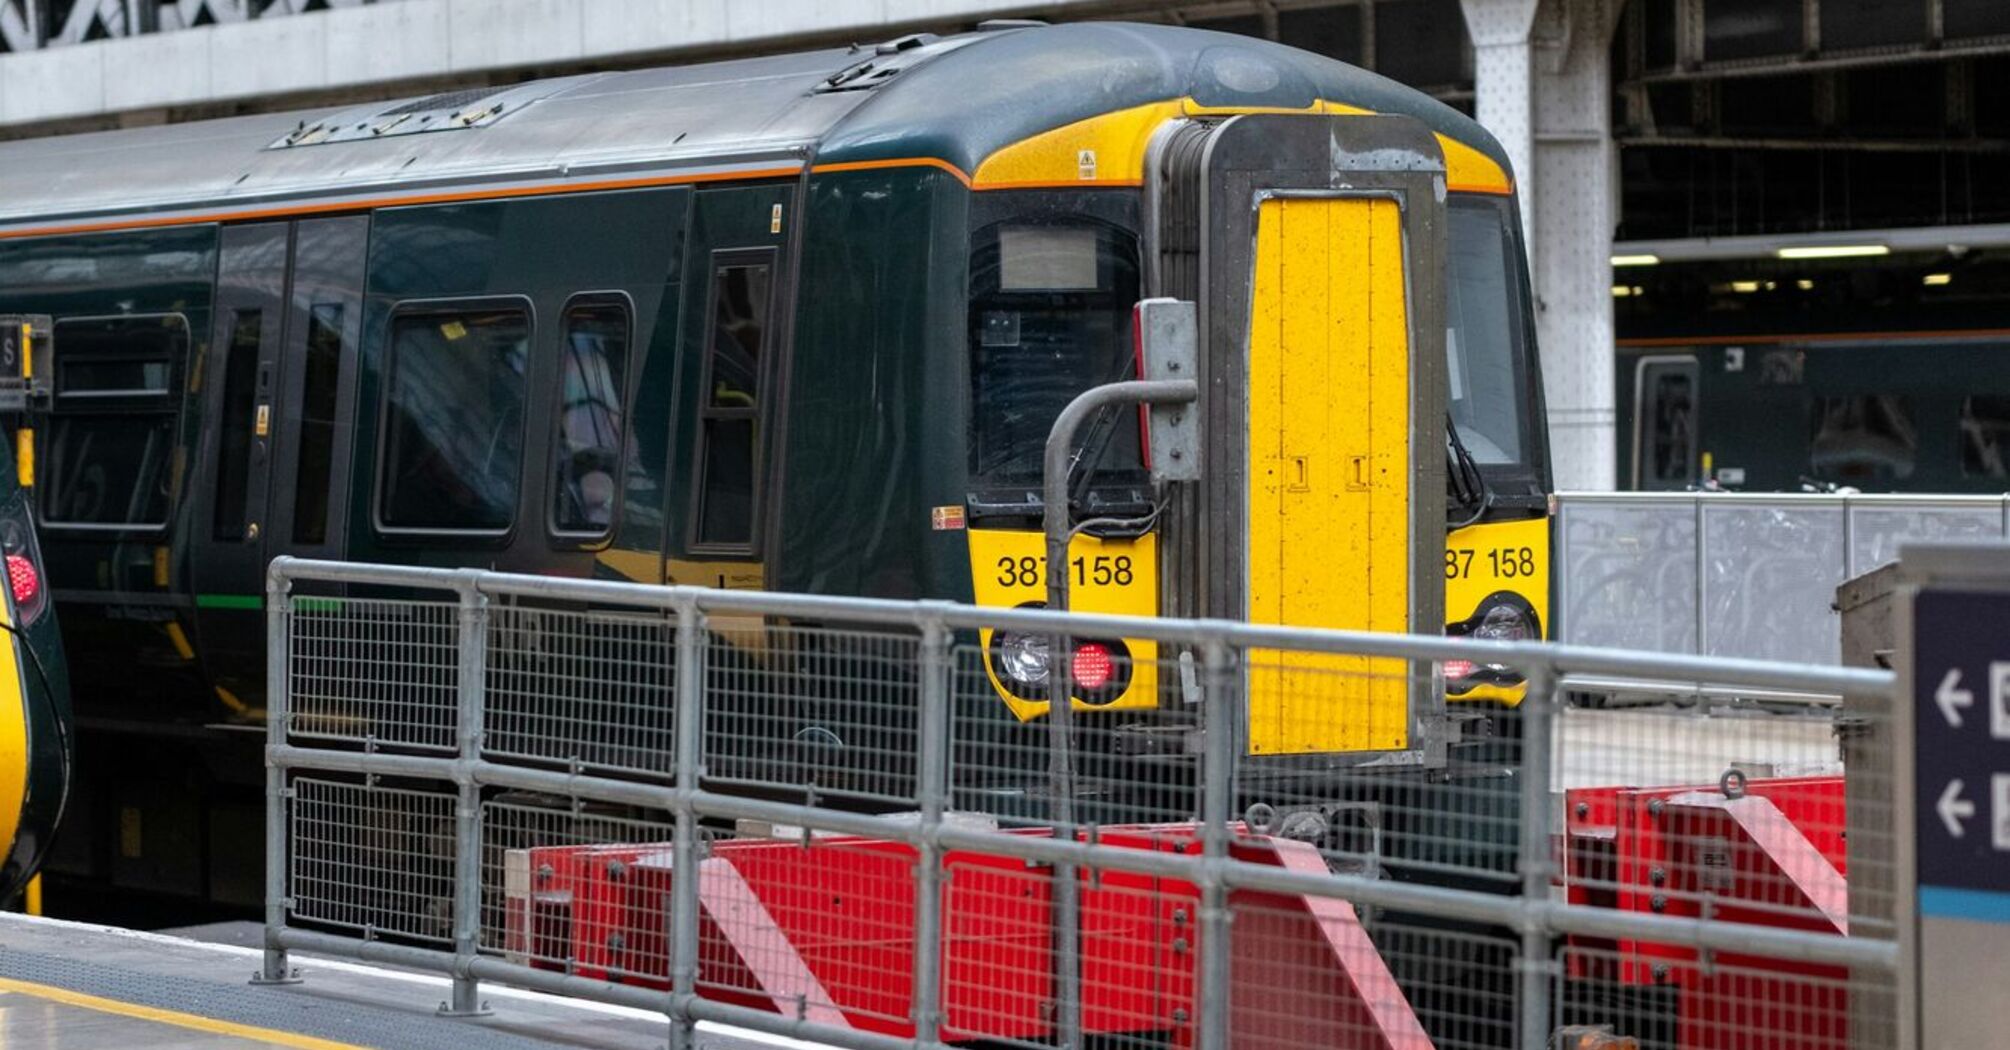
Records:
x=172, y=1017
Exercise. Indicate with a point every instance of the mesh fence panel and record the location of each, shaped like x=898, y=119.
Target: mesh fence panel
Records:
x=814, y=711
x=378, y=860
x=586, y=689
x=558, y=888
x=381, y=670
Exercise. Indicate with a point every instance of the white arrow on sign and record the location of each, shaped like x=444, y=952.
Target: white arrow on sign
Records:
x=1952, y=698
x=1954, y=809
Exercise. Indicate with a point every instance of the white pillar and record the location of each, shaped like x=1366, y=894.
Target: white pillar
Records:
x=1544, y=90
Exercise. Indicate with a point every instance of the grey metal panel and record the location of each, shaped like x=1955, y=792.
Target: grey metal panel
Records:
x=1877, y=528
x=1627, y=574
x=1770, y=573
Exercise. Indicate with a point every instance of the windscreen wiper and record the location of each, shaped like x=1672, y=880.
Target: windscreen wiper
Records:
x=1468, y=486
x=1102, y=430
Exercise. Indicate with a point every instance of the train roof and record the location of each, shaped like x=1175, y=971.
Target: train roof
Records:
x=955, y=100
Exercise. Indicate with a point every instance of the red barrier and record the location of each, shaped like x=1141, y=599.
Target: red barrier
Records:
x=824, y=930
x=1774, y=856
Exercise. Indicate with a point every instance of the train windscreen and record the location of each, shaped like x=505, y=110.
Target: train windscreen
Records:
x=1485, y=331
x=1050, y=317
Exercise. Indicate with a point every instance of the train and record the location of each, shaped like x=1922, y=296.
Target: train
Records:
x=1871, y=372
x=37, y=756
x=797, y=322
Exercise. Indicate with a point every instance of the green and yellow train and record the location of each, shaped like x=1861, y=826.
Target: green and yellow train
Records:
x=797, y=322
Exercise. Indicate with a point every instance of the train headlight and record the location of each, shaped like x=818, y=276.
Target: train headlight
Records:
x=1505, y=623
x=1024, y=660
x=1503, y=616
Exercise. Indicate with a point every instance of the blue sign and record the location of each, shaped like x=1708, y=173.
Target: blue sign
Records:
x=1961, y=753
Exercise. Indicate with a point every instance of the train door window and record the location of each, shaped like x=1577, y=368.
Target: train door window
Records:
x=454, y=419
x=729, y=440
x=587, y=457
x=1985, y=436
x=112, y=432
x=1665, y=440
x=315, y=462
x=237, y=428
x=1863, y=438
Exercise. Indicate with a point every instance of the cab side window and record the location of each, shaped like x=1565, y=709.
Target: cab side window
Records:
x=454, y=419
x=112, y=436
x=592, y=424
x=729, y=440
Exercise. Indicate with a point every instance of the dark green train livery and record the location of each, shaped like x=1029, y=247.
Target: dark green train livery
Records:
x=705, y=325
x=1879, y=373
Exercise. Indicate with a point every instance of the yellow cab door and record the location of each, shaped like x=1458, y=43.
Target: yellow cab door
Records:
x=1317, y=267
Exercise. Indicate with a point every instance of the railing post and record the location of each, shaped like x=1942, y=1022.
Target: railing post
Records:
x=472, y=648
x=931, y=789
x=278, y=668
x=1219, y=721
x=685, y=855
x=1537, y=711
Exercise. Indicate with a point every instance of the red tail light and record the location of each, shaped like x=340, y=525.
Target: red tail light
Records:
x=1093, y=665
x=1457, y=669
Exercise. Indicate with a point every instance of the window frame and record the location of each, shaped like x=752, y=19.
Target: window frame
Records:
x=453, y=305
x=591, y=539
x=174, y=399
x=704, y=412
x=1642, y=411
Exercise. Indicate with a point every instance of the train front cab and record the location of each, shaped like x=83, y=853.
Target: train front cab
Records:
x=35, y=720
x=1373, y=453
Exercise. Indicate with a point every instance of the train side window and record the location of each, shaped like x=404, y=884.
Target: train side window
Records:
x=592, y=425
x=1985, y=436
x=1665, y=443
x=454, y=419
x=1863, y=438
x=315, y=463
x=729, y=414
x=111, y=452
x=240, y=398
x=1665, y=425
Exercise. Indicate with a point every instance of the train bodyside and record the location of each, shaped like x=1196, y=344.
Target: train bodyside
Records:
x=759, y=367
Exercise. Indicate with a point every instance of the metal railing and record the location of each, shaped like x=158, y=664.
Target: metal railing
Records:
x=1748, y=575
x=497, y=777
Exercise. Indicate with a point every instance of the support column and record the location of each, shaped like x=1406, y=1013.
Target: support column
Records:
x=1544, y=90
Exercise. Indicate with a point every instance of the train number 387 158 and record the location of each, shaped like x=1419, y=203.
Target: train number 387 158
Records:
x=1505, y=562
x=1102, y=569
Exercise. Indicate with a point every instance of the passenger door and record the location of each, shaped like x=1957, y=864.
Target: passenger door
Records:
x=277, y=400
x=1665, y=393
x=731, y=345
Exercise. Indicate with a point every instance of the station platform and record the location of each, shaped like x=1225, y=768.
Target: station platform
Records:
x=71, y=986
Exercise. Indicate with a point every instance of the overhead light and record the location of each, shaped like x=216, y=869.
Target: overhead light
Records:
x=1804, y=284
x=1636, y=260
x=1745, y=287
x=1832, y=251
x=1937, y=279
